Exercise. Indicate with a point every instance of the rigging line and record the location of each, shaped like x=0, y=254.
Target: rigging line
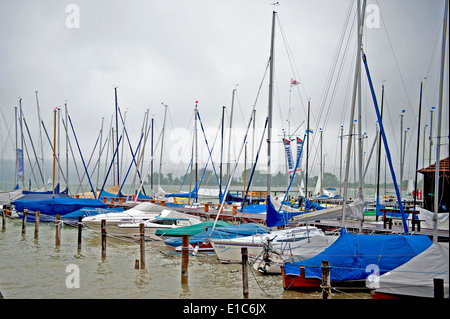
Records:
x=8, y=129
x=291, y=62
x=332, y=70
x=336, y=56
x=396, y=64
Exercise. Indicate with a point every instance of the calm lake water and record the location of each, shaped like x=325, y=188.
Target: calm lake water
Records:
x=32, y=268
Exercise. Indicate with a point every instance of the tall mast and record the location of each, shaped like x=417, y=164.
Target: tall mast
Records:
x=379, y=153
x=229, y=135
x=16, y=170
x=352, y=113
x=418, y=140
x=162, y=143
x=54, y=151
x=196, y=149
x=67, y=146
x=40, y=134
x=307, y=152
x=269, y=126
x=117, y=135
x=151, y=162
x=21, y=141
x=221, y=153
x=439, y=119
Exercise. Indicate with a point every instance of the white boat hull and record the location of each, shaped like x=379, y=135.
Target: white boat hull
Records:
x=229, y=250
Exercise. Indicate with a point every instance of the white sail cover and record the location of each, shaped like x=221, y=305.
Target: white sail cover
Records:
x=354, y=210
x=427, y=218
x=415, y=278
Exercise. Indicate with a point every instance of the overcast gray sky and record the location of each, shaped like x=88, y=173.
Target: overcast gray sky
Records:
x=179, y=52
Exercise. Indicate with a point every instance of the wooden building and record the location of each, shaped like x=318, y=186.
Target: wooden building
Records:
x=428, y=186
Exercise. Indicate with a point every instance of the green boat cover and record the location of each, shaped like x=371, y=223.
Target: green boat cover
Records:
x=190, y=230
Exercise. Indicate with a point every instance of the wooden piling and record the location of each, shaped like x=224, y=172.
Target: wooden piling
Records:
x=58, y=231
x=80, y=227
x=142, y=244
x=24, y=221
x=184, y=258
x=244, y=254
x=3, y=220
x=36, y=225
x=326, y=283
x=136, y=264
x=103, y=225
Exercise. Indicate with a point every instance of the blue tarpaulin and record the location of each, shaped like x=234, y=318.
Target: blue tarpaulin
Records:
x=57, y=206
x=354, y=256
x=274, y=218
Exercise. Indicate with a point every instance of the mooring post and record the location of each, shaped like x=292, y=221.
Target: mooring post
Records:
x=244, y=254
x=184, y=258
x=3, y=219
x=36, y=225
x=58, y=231
x=103, y=226
x=438, y=288
x=24, y=221
x=326, y=283
x=142, y=244
x=80, y=227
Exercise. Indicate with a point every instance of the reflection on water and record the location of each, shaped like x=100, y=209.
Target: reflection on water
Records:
x=32, y=268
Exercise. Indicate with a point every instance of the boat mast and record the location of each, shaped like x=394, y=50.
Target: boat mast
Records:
x=418, y=141
x=221, y=153
x=16, y=170
x=439, y=119
x=229, y=134
x=54, y=151
x=352, y=113
x=117, y=135
x=196, y=150
x=379, y=154
x=269, y=126
x=162, y=144
x=40, y=136
x=307, y=153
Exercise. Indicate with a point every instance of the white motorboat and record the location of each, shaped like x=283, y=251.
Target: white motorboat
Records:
x=229, y=250
x=167, y=219
x=141, y=212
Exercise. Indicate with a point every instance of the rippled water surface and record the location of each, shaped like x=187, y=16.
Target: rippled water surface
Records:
x=32, y=268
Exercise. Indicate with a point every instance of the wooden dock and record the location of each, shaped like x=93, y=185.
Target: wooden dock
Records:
x=377, y=228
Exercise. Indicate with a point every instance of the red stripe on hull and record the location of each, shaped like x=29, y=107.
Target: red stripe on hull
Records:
x=300, y=282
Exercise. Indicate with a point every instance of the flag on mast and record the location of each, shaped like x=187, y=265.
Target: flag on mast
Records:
x=294, y=82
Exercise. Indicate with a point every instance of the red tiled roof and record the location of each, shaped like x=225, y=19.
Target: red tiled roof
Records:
x=443, y=167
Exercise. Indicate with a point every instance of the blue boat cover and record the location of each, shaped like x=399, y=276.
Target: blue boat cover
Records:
x=355, y=256
x=274, y=218
x=57, y=206
x=192, y=194
x=232, y=231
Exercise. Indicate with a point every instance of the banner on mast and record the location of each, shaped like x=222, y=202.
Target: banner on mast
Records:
x=19, y=165
x=290, y=160
x=299, y=153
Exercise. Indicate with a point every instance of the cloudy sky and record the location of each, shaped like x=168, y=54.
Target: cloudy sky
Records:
x=178, y=52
